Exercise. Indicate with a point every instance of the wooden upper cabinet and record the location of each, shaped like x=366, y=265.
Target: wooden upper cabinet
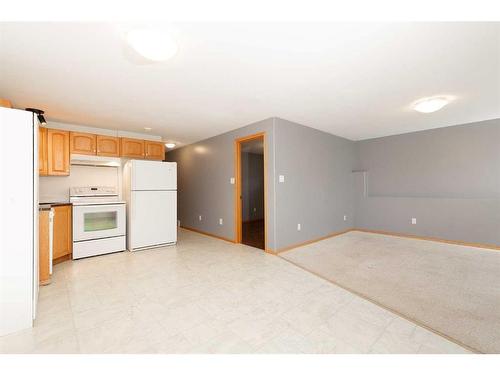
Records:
x=83, y=143
x=132, y=148
x=108, y=146
x=154, y=150
x=58, y=152
x=42, y=152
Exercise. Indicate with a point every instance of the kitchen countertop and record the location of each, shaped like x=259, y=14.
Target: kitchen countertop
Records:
x=46, y=205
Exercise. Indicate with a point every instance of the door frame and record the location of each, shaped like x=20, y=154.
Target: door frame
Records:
x=238, y=222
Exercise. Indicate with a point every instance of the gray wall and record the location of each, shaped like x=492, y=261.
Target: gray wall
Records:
x=446, y=178
x=204, y=172
x=317, y=191
x=252, y=186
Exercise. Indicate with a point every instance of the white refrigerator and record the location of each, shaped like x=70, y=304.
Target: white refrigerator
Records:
x=18, y=219
x=150, y=189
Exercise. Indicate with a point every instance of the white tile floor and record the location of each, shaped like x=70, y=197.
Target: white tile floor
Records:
x=209, y=296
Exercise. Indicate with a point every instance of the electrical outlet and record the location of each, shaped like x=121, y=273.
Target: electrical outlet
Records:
x=414, y=220
x=221, y=222
x=199, y=218
x=345, y=217
x=299, y=227
x=178, y=223
x=281, y=178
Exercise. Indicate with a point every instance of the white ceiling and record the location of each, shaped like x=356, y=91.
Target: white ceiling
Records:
x=353, y=80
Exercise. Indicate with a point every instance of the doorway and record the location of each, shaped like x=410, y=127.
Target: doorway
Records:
x=251, y=191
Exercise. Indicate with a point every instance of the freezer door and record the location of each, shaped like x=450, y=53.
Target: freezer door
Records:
x=153, y=219
x=153, y=175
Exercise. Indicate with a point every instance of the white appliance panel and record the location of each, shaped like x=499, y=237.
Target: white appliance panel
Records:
x=18, y=205
x=153, y=175
x=101, y=246
x=98, y=221
x=153, y=219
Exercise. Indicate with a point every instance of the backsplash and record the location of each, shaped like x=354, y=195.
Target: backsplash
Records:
x=54, y=188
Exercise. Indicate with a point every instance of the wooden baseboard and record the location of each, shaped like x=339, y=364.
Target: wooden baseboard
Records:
x=294, y=246
x=207, y=234
x=334, y=234
x=451, y=242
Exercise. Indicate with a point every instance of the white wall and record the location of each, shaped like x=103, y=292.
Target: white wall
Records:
x=56, y=188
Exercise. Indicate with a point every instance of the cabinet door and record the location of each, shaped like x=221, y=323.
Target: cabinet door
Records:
x=132, y=148
x=154, y=150
x=83, y=143
x=43, y=248
x=108, y=146
x=58, y=152
x=42, y=152
x=63, y=242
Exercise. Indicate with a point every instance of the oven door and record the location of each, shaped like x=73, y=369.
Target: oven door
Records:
x=98, y=221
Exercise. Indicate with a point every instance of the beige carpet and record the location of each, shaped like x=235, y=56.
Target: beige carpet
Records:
x=452, y=289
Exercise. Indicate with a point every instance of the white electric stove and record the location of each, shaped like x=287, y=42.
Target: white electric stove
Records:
x=99, y=221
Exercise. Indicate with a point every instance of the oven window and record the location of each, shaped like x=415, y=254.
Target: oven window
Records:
x=94, y=221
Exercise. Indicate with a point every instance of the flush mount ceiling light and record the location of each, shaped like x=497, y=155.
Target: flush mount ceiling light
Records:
x=154, y=45
x=428, y=105
x=147, y=128
x=170, y=145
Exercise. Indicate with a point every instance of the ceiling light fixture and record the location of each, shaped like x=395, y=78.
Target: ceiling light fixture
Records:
x=147, y=128
x=154, y=45
x=170, y=145
x=429, y=105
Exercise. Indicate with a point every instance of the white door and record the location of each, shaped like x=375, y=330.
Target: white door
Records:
x=153, y=175
x=153, y=219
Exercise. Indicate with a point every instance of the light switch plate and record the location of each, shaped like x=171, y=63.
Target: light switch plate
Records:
x=221, y=222
x=281, y=178
x=231, y=180
x=414, y=220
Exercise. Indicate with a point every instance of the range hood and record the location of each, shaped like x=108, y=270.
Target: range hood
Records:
x=95, y=161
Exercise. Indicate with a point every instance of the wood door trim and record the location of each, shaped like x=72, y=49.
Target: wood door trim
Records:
x=238, y=222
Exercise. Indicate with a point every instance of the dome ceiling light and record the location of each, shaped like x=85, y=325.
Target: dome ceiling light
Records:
x=429, y=105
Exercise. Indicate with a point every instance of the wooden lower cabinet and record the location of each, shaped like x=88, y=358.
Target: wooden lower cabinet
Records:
x=43, y=247
x=154, y=150
x=63, y=241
